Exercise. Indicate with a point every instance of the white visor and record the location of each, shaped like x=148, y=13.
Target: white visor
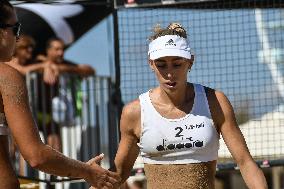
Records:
x=169, y=45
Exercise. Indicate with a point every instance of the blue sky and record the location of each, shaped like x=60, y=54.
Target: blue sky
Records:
x=94, y=48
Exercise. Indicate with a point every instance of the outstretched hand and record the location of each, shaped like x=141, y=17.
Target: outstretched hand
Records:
x=101, y=178
x=96, y=160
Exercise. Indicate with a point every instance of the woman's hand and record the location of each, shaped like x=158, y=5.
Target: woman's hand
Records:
x=107, y=179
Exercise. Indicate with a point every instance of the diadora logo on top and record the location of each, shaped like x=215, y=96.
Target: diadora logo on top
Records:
x=171, y=43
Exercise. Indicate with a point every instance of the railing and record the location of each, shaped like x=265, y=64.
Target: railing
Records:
x=78, y=110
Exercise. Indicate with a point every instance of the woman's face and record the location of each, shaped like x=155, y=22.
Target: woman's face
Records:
x=171, y=71
x=8, y=38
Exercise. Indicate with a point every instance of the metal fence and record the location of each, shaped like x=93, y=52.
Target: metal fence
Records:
x=80, y=113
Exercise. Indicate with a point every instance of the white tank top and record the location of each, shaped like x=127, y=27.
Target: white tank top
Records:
x=190, y=139
x=3, y=126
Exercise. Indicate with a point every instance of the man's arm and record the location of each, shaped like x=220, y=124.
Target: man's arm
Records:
x=81, y=69
x=28, y=68
x=38, y=67
x=23, y=129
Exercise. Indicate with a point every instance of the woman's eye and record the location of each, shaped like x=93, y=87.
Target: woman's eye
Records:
x=177, y=65
x=160, y=66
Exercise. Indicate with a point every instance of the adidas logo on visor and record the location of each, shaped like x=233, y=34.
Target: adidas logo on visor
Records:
x=170, y=42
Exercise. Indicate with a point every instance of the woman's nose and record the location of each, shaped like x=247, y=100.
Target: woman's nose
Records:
x=169, y=74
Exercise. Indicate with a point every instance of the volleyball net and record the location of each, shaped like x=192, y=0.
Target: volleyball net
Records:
x=238, y=48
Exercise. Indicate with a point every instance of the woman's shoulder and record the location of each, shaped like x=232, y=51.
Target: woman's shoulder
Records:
x=130, y=118
x=10, y=77
x=211, y=92
x=132, y=109
x=219, y=104
x=9, y=72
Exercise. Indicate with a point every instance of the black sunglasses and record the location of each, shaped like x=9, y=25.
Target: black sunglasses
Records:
x=16, y=28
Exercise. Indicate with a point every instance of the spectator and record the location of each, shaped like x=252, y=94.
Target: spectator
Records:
x=55, y=65
x=23, y=56
x=54, y=58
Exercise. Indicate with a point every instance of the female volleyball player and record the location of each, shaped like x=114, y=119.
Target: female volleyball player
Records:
x=15, y=109
x=176, y=126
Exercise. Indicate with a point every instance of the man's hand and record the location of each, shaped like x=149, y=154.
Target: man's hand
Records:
x=50, y=74
x=102, y=179
x=85, y=70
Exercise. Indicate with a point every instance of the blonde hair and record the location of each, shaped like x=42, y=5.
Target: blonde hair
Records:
x=172, y=29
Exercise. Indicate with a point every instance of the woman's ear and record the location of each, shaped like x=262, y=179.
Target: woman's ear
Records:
x=191, y=61
x=151, y=64
x=192, y=58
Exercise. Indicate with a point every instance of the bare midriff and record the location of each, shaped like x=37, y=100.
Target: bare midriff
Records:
x=186, y=176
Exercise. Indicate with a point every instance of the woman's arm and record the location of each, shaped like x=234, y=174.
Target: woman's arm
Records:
x=128, y=149
x=23, y=129
x=130, y=133
x=224, y=117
